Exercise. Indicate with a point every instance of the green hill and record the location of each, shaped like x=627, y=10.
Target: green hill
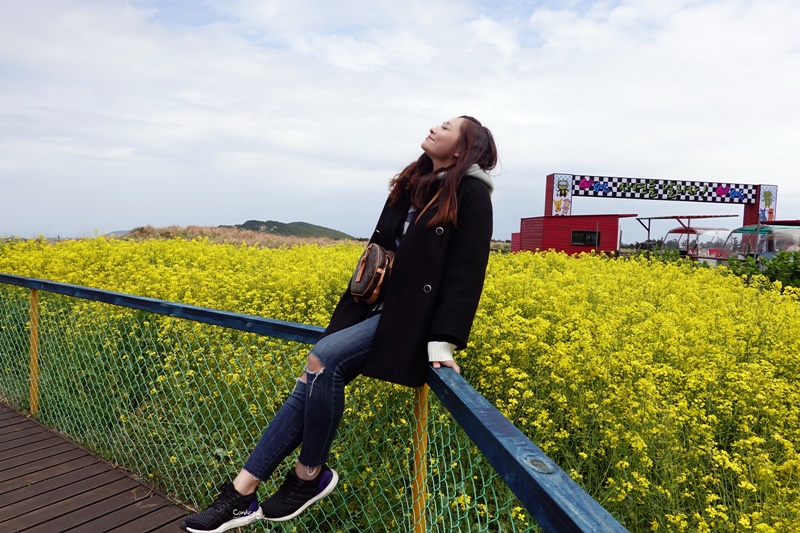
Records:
x=293, y=229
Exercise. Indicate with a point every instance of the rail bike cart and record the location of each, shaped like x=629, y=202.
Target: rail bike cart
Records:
x=762, y=240
x=700, y=243
x=697, y=243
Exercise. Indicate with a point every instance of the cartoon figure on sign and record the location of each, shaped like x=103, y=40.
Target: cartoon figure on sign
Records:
x=767, y=198
x=562, y=193
x=563, y=188
x=768, y=203
x=565, y=207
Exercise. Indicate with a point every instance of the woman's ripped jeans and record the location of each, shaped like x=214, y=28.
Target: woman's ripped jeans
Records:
x=312, y=412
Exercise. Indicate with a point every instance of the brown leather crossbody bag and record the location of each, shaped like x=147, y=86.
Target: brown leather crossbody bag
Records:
x=374, y=268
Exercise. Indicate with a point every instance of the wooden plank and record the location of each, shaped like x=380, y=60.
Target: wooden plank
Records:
x=30, y=444
x=52, y=497
x=5, y=412
x=13, y=435
x=36, y=456
x=18, y=431
x=98, y=510
x=131, y=506
x=164, y=519
x=37, y=476
x=55, y=505
x=48, y=483
x=8, y=419
x=26, y=491
x=11, y=427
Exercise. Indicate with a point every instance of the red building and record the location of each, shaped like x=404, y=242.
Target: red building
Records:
x=560, y=230
x=571, y=234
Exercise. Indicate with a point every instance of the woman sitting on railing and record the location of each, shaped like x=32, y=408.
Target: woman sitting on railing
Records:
x=438, y=223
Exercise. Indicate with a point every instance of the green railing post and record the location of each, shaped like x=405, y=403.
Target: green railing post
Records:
x=418, y=493
x=34, y=352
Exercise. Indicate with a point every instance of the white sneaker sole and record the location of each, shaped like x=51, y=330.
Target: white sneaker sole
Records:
x=309, y=503
x=233, y=523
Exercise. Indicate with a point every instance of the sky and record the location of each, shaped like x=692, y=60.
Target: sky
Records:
x=118, y=114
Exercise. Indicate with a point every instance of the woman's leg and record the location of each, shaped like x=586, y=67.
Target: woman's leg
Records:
x=282, y=436
x=339, y=358
x=237, y=505
x=333, y=363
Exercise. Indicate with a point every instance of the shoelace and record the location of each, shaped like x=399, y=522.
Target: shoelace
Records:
x=294, y=486
x=223, y=500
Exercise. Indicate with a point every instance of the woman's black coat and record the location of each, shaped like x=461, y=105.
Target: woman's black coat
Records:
x=435, y=286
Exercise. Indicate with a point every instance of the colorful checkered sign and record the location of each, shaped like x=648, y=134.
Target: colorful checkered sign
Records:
x=660, y=189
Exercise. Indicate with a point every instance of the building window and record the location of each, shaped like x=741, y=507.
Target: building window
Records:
x=585, y=238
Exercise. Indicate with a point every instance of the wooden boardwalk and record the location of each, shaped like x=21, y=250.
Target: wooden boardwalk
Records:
x=49, y=484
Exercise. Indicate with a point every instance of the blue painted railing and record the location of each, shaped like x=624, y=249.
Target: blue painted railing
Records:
x=558, y=504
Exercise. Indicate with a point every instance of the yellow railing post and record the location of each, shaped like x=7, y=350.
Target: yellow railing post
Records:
x=34, y=355
x=418, y=493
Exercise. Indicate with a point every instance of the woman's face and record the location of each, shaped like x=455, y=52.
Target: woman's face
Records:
x=441, y=143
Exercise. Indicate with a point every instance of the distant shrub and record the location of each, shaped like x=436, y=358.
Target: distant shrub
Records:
x=784, y=267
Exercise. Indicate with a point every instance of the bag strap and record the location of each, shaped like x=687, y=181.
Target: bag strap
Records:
x=435, y=196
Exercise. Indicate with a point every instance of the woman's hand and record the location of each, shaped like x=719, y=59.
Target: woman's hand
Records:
x=440, y=353
x=451, y=364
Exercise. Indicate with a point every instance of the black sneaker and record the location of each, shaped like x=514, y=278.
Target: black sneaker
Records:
x=296, y=495
x=228, y=511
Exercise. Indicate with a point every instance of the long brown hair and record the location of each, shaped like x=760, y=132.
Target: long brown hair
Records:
x=475, y=146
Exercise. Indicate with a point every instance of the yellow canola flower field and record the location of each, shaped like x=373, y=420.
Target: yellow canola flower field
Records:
x=300, y=284
x=669, y=392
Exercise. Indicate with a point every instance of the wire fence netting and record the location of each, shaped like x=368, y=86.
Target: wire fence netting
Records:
x=181, y=404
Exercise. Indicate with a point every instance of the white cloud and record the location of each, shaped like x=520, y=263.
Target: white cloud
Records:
x=216, y=112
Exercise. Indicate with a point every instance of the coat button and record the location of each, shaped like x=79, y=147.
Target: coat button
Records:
x=439, y=230
x=426, y=289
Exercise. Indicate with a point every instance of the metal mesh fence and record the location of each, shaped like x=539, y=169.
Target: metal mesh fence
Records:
x=182, y=403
